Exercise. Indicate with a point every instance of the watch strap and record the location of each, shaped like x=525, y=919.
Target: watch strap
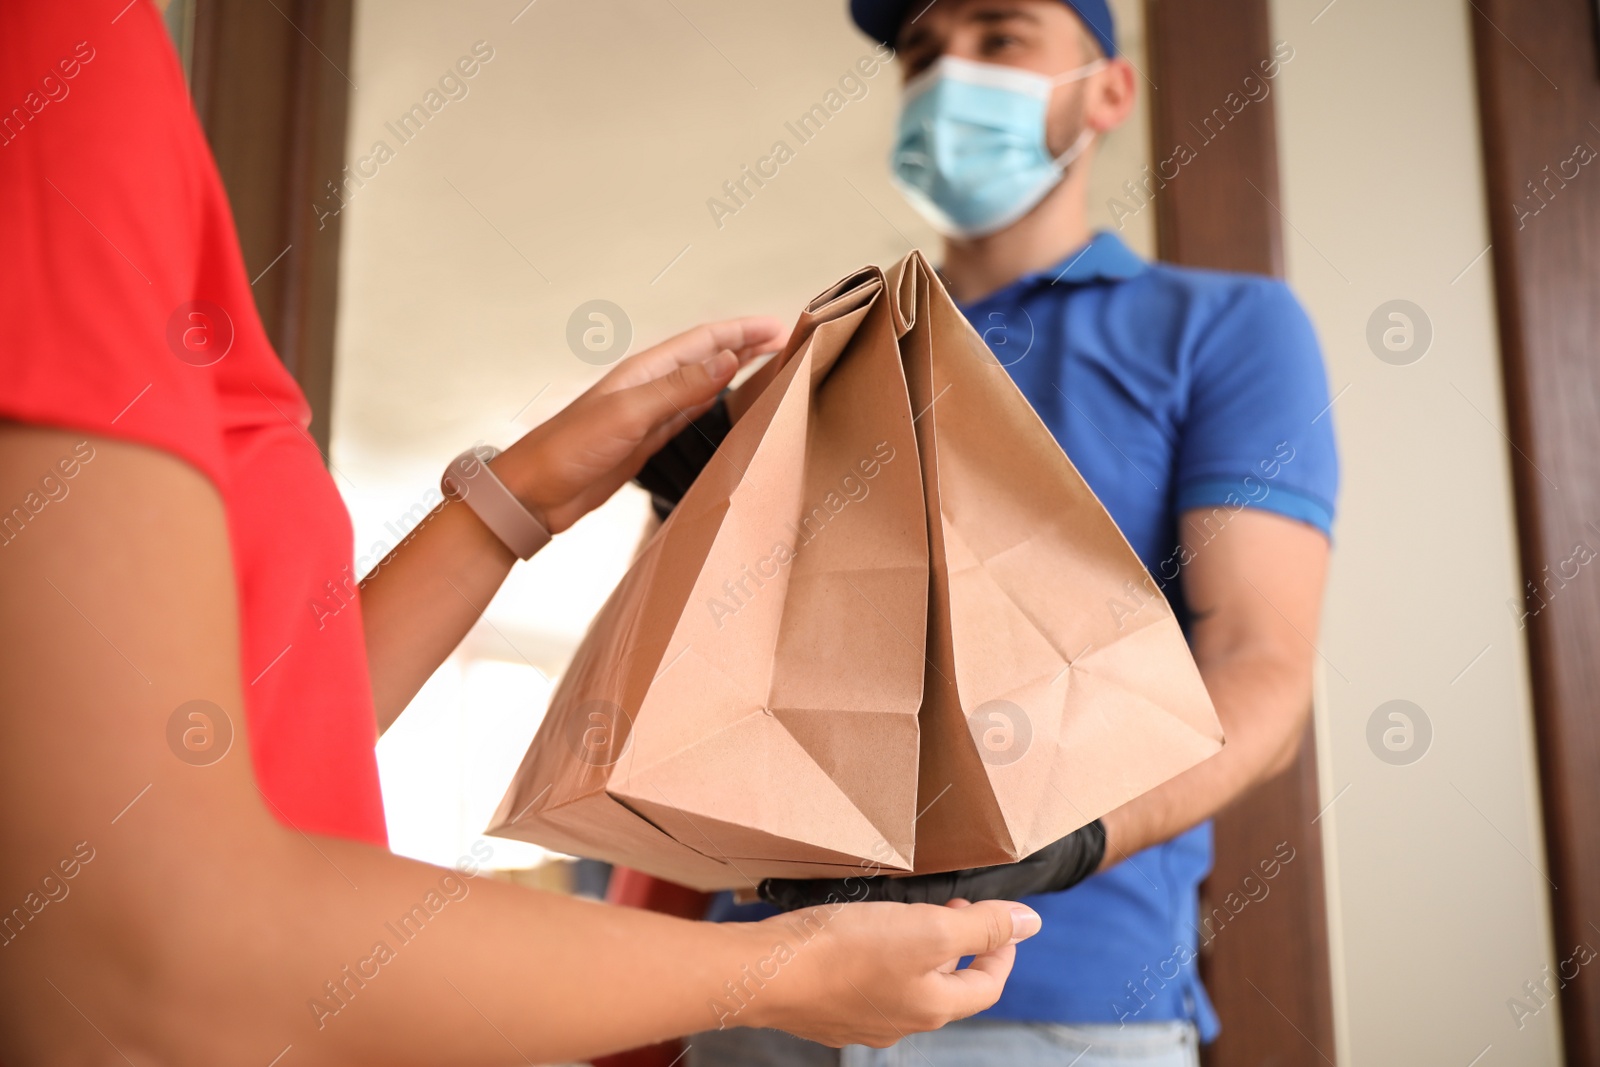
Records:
x=469, y=480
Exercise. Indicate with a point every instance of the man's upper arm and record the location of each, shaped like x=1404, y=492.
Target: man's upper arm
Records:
x=1253, y=586
x=1256, y=482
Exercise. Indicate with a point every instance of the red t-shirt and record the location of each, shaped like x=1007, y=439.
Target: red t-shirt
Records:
x=125, y=311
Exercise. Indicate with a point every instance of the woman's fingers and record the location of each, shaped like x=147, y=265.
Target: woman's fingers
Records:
x=990, y=925
x=740, y=400
x=677, y=394
x=954, y=902
x=744, y=337
x=979, y=984
x=578, y=458
x=888, y=969
x=988, y=932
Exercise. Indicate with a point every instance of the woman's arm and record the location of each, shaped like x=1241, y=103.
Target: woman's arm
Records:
x=197, y=928
x=422, y=599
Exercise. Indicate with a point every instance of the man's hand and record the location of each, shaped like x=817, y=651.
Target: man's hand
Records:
x=1050, y=870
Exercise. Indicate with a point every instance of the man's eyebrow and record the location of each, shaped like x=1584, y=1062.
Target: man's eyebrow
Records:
x=997, y=13
x=915, y=35
x=911, y=38
x=911, y=34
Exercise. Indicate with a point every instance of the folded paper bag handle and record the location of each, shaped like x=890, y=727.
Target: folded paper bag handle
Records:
x=842, y=297
x=902, y=286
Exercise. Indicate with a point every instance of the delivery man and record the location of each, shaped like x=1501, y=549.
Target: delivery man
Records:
x=1195, y=405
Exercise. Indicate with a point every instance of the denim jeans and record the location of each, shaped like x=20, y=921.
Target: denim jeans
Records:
x=970, y=1043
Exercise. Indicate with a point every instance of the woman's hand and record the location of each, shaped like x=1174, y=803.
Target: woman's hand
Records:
x=872, y=973
x=428, y=592
x=569, y=465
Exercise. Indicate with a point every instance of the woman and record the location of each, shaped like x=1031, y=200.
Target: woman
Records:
x=193, y=865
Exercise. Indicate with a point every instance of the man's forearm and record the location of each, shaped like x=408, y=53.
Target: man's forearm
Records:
x=1255, y=592
x=1264, y=704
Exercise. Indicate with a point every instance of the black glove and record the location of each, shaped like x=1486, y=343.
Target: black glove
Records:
x=1050, y=870
x=668, y=474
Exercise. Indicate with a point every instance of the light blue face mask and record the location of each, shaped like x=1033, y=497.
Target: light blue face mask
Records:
x=970, y=154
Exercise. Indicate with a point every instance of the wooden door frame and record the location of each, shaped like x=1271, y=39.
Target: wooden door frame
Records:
x=1538, y=71
x=271, y=86
x=1267, y=967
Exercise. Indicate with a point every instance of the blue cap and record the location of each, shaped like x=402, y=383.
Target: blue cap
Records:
x=881, y=19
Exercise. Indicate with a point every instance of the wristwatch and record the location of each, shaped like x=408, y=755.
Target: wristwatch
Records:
x=469, y=480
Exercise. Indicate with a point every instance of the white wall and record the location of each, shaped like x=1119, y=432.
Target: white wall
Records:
x=1437, y=891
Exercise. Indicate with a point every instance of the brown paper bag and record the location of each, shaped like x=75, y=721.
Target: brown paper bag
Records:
x=888, y=629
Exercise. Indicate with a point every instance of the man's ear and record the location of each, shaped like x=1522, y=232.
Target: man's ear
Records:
x=1111, y=97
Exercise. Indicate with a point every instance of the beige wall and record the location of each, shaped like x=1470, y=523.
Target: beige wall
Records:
x=1436, y=887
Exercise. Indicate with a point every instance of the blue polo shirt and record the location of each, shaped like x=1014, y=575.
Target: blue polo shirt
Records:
x=1171, y=389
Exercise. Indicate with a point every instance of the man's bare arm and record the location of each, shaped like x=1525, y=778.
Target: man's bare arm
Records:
x=1255, y=590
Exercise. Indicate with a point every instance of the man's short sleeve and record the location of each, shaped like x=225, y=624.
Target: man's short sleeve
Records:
x=1258, y=429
